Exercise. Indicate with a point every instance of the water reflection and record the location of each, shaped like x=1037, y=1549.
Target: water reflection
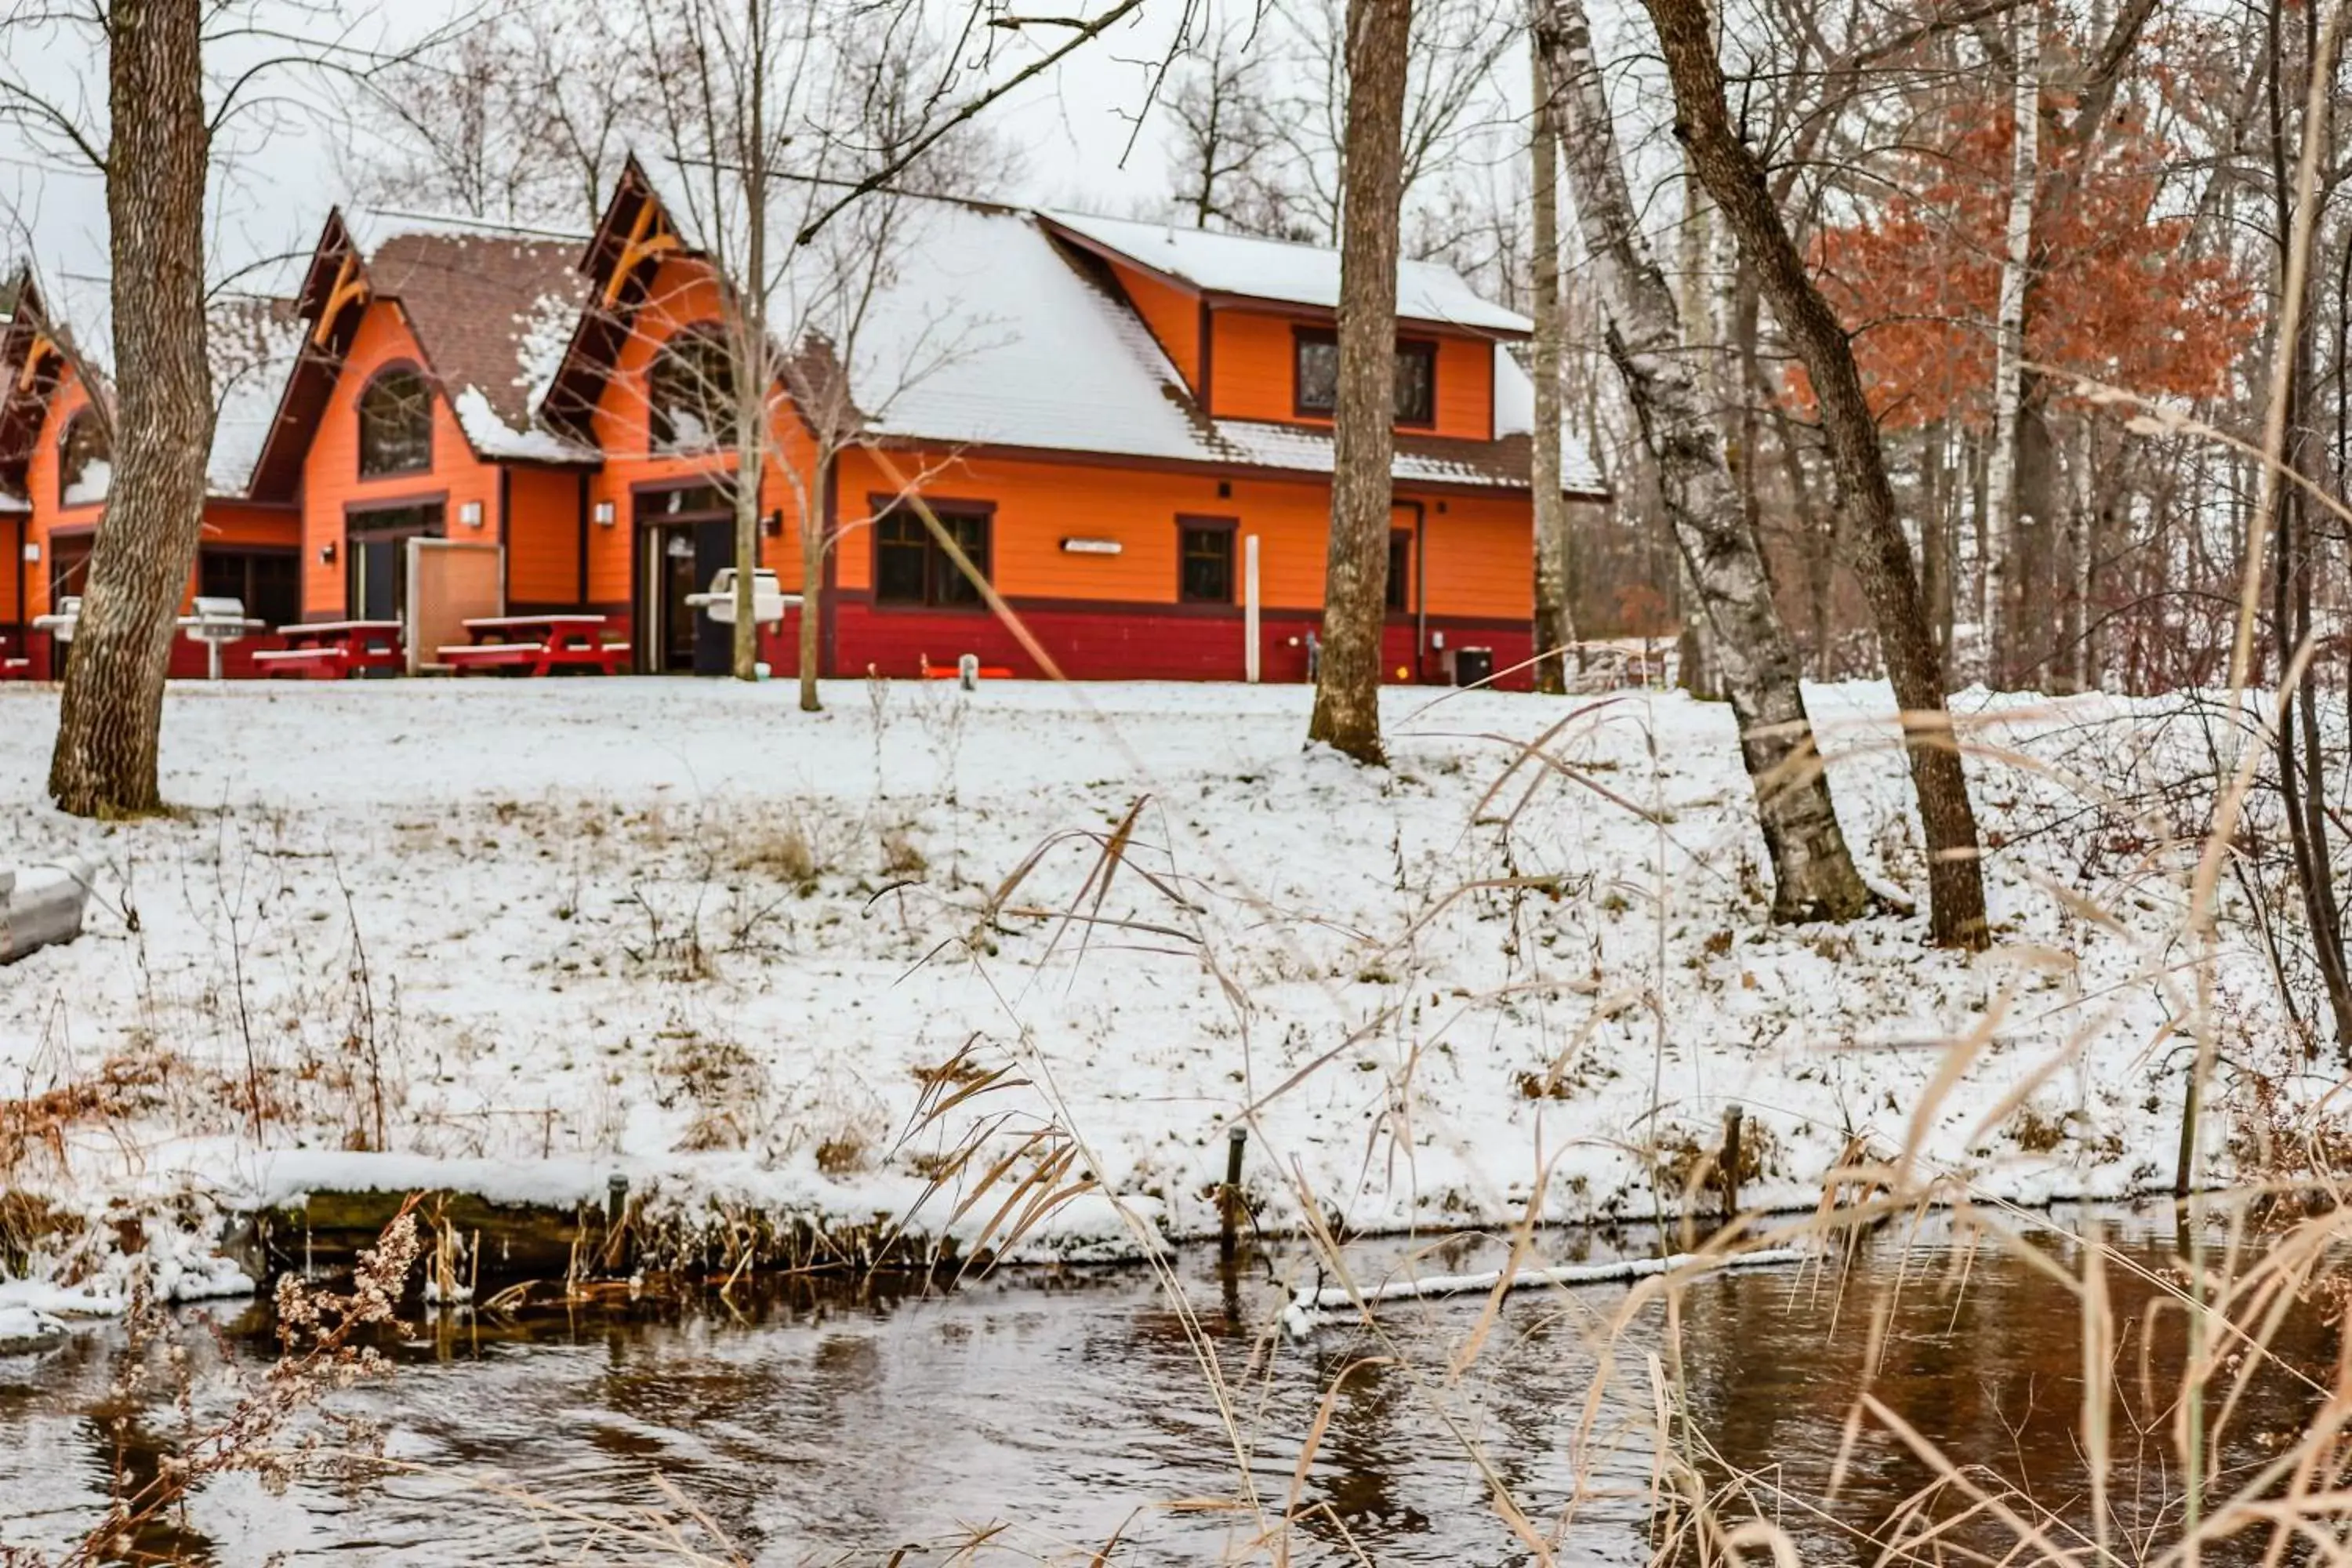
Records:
x=1073, y=1410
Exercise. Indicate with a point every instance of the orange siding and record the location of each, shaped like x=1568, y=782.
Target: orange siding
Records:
x=12, y=537
x=1251, y=364
x=1173, y=315
x=228, y=522
x=331, y=480
x=41, y=489
x=542, y=537
x=683, y=295
x=1478, y=554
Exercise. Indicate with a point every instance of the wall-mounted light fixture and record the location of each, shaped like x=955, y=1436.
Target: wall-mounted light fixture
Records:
x=1091, y=547
x=772, y=525
x=470, y=514
x=603, y=514
x=327, y=553
x=32, y=551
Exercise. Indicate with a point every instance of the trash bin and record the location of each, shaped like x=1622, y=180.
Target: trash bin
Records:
x=1474, y=665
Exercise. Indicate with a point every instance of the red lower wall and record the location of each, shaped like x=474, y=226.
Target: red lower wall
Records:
x=1095, y=644
x=188, y=661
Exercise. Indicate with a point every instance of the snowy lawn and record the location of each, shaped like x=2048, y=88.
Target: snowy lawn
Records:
x=516, y=936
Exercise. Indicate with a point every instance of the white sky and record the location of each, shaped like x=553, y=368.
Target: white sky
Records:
x=276, y=177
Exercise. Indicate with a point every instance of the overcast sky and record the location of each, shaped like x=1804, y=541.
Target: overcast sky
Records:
x=280, y=170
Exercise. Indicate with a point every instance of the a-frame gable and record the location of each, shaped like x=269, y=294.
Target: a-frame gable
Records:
x=634, y=236
x=334, y=297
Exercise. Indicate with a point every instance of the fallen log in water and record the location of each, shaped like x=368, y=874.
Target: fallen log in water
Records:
x=1306, y=1309
x=41, y=905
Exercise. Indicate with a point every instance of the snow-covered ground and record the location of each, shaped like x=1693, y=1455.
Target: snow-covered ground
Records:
x=518, y=936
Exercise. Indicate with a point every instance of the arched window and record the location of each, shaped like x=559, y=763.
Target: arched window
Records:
x=396, y=424
x=84, y=461
x=692, y=393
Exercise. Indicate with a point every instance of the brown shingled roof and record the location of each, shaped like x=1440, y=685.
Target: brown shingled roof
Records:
x=470, y=298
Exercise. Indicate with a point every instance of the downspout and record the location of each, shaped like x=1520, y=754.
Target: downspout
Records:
x=1420, y=588
x=581, y=521
x=506, y=554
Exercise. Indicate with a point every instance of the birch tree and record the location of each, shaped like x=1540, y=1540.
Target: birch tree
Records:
x=2009, y=370
x=1814, y=873
x=1729, y=169
x=1346, y=714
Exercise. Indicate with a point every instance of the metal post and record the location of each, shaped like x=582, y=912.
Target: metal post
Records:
x=1249, y=609
x=1732, y=1120
x=1231, y=1198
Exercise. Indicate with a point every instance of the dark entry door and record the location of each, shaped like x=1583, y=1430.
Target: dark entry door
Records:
x=684, y=557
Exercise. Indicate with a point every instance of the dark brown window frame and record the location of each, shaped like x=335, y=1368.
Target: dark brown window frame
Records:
x=657, y=445
x=82, y=419
x=1301, y=336
x=1398, y=601
x=1228, y=526
x=882, y=508
x=246, y=554
x=381, y=373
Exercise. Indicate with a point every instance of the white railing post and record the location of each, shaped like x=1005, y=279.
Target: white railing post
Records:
x=1249, y=608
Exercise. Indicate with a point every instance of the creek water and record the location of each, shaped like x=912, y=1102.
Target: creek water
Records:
x=1068, y=1416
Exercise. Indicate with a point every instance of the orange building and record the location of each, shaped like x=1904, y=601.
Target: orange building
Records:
x=55, y=466
x=1125, y=427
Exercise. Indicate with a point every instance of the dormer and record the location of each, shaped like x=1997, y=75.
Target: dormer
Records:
x=1251, y=325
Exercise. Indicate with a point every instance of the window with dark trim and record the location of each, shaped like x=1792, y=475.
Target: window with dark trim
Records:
x=84, y=461
x=910, y=567
x=268, y=582
x=1205, y=564
x=1400, y=573
x=1315, y=376
x=395, y=414
x=691, y=394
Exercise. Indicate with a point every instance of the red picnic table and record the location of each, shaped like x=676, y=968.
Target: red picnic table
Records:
x=536, y=645
x=329, y=650
x=13, y=664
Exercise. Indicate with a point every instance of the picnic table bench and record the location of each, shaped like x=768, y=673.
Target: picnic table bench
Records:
x=536, y=645
x=332, y=650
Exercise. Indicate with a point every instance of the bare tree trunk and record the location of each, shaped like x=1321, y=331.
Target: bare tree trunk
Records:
x=752, y=367
x=1813, y=874
x=1883, y=557
x=2002, y=591
x=1355, y=587
x=111, y=725
x=1555, y=626
x=813, y=545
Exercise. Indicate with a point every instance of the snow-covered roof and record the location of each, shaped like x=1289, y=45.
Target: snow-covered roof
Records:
x=12, y=505
x=493, y=308
x=254, y=344
x=986, y=333
x=1279, y=270
x=1515, y=414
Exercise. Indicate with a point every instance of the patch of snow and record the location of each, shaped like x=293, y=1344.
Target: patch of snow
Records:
x=1310, y=1308
x=96, y=480
x=254, y=349
x=553, y=930
x=27, y=1331
x=541, y=334
x=491, y=437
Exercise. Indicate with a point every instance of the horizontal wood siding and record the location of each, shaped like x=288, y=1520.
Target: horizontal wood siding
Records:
x=1173, y=315
x=1480, y=557
x=68, y=399
x=1111, y=643
x=331, y=480
x=542, y=537
x=1253, y=375
x=683, y=294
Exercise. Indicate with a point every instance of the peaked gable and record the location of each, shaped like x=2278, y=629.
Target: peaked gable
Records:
x=489, y=310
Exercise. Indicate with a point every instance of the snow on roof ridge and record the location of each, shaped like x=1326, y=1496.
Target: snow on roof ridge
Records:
x=386, y=224
x=1289, y=272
